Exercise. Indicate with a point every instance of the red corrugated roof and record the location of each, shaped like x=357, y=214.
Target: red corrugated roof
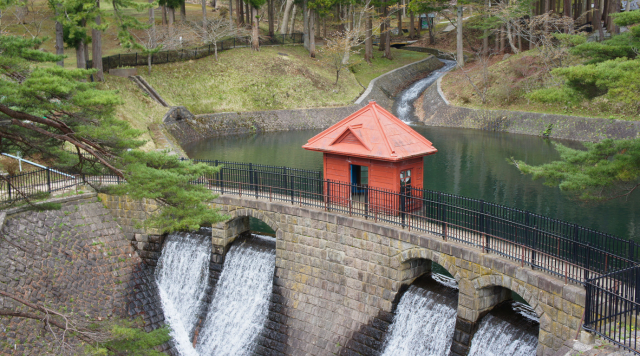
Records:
x=372, y=132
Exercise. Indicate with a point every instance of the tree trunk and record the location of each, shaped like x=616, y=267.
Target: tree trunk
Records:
x=240, y=12
x=149, y=62
x=255, y=36
x=293, y=19
x=419, y=27
x=485, y=43
x=285, y=17
x=183, y=11
x=387, y=41
x=628, y=6
x=312, y=34
x=248, y=12
x=230, y=11
x=305, y=24
x=80, y=58
x=566, y=8
x=152, y=15
x=496, y=46
x=204, y=13
x=271, y=17
x=215, y=50
x=514, y=50
x=368, y=42
x=164, y=15
x=324, y=27
x=432, y=37
x=96, y=49
x=317, y=23
x=411, y=25
x=614, y=8
x=459, y=52
x=59, y=41
x=597, y=20
x=400, y=33
x=383, y=25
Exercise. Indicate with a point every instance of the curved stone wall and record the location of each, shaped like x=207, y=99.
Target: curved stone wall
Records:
x=185, y=127
x=433, y=110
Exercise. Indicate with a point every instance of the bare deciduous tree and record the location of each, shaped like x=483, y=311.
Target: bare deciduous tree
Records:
x=215, y=29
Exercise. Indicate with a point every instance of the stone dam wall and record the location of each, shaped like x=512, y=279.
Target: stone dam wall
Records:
x=338, y=278
x=186, y=127
x=433, y=110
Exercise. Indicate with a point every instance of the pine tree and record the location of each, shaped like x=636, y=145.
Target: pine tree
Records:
x=606, y=170
x=45, y=111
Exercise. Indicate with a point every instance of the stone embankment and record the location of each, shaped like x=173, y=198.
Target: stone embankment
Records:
x=75, y=260
x=432, y=109
x=186, y=127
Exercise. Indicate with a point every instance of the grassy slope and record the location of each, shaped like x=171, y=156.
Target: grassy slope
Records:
x=511, y=79
x=266, y=80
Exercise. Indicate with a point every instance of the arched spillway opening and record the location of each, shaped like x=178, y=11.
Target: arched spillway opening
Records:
x=425, y=315
x=509, y=329
x=221, y=319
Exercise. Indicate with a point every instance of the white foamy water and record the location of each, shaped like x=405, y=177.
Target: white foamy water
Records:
x=423, y=325
x=241, y=302
x=498, y=337
x=404, y=104
x=182, y=276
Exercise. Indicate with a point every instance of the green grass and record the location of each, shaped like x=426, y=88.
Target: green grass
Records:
x=367, y=72
x=244, y=80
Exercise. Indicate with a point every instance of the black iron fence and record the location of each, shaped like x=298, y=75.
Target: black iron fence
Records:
x=32, y=184
x=612, y=307
x=140, y=59
x=547, y=241
x=567, y=250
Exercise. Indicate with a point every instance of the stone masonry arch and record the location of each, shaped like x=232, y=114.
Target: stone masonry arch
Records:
x=224, y=233
x=337, y=275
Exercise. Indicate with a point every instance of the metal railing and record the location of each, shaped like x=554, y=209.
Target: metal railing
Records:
x=592, y=250
x=567, y=250
x=612, y=307
x=140, y=59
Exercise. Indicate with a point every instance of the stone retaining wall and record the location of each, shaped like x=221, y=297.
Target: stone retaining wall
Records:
x=433, y=110
x=185, y=127
x=76, y=260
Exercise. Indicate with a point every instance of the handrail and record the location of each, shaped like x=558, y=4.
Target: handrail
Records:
x=38, y=165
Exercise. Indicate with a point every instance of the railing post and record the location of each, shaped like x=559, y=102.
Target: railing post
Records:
x=251, y=176
x=49, y=180
x=588, y=262
x=483, y=226
x=328, y=195
x=291, y=182
x=222, y=180
x=530, y=240
x=366, y=203
x=9, y=187
x=402, y=207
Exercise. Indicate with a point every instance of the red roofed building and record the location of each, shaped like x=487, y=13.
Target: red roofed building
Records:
x=372, y=148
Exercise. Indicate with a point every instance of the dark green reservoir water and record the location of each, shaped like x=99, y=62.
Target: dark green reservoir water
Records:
x=471, y=163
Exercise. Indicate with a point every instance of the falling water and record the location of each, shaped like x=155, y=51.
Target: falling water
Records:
x=500, y=337
x=404, y=104
x=182, y=275
x=423, y=324
x=241, y=302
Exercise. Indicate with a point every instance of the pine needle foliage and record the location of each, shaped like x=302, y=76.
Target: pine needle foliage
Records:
x=606, y=170
x=168, y=180
x=46, y=111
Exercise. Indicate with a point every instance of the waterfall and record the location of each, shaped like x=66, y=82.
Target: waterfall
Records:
x=182, y=276
x=423, y=324
x=241, y=302
x=499, y=337
x=403, y=106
